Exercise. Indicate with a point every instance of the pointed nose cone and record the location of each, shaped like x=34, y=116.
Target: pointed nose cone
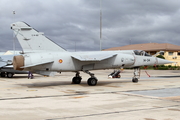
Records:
x=163, y=61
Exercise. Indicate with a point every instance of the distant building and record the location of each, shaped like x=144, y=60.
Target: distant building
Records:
x=2, y=53
x=170, y=52
x=10, y=52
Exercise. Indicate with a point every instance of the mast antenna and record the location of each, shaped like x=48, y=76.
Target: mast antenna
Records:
x=14, y=34
x=100, y=26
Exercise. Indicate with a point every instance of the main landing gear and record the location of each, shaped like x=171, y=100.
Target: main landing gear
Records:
x=92, y=81
x=77, y=78
x=136, y=75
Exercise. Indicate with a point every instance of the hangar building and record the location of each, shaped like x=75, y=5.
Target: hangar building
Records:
x=169, y=51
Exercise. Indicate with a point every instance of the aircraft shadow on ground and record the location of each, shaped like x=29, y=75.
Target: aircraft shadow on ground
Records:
x=166, y=76
x=62, y=83
x=46, y=84
x=20, y=77
x=24, y=76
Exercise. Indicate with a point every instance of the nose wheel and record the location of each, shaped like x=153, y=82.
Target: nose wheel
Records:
x=135, y=80
x=136, y=75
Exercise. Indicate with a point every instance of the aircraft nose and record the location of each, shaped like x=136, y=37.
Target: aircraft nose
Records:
x=163, y=61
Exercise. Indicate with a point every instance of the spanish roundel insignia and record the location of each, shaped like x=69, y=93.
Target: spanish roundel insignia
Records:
x=60, y=61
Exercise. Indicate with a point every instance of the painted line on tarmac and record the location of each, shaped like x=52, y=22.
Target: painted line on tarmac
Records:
x=115, y=112
x=51, y=96
x=78, y=93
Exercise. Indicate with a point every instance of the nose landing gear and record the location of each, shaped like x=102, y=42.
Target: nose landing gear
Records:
x=136, y=75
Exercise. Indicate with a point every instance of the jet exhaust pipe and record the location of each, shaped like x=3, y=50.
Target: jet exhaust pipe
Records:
x=18, y=62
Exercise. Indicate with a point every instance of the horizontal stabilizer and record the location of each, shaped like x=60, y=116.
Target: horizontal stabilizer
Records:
x=5, y=60
x=8, y=66
x=93, y=56
x=2, y=64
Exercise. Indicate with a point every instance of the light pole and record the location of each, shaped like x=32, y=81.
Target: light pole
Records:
x=14, y=34
x=100, y=25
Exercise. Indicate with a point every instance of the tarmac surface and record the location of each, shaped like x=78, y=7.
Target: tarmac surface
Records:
x=55, y=98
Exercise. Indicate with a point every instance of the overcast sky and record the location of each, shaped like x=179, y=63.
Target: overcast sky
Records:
x=74, y=24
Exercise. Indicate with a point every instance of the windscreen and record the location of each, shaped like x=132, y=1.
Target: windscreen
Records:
x=141, y=53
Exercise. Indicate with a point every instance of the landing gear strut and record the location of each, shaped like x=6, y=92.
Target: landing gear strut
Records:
x=92, y=81
x=77, y=78
x=136, y=75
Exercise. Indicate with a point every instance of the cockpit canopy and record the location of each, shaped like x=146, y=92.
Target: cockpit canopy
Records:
x=141, y=53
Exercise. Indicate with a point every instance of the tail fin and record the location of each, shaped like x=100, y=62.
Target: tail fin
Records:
x=32, y=40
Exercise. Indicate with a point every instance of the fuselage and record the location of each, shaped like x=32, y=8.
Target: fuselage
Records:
x=63, y=61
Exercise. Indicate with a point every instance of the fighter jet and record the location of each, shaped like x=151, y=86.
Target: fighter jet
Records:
x=41, y=55
x=6, y=67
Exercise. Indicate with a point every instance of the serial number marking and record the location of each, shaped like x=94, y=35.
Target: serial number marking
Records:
x=146, y=60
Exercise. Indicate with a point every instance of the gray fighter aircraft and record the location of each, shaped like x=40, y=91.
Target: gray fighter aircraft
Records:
x=6, y=67
x=43, y=56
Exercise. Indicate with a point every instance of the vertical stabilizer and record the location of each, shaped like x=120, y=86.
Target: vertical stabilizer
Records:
x=32, y=40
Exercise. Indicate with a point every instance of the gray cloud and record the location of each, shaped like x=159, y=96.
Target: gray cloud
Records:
x=74, y=24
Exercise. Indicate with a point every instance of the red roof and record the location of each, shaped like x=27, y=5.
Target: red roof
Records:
x=148, y=47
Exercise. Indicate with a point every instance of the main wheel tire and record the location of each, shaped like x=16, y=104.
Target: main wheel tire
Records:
x=10, y=75
x=76, y=80
x=92, y=81
x=134, y=80
x=3, y=74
